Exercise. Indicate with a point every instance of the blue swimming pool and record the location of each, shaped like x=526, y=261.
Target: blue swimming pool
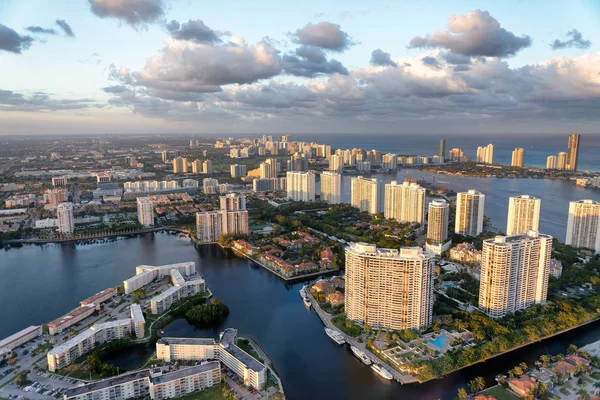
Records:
x=439, y=342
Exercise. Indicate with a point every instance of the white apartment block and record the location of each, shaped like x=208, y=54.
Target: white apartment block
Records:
x=180, y=165
x=65, y=220
x=514, y=273
x=583, y=226
x=210, y=185
x=523, y=214
x=437, y=221
x=551, y=162
x=233, y=201
x=207, y=167
x=404, y=202
x=389, y=162
x=127, y=386
x=331, y=187
x=485, y=154
x=144, y=274
x=237, y=170
x=301, y=186
x=81, y=344
x=150, y=186
x=234, y=222
x=138, y=322
x=145, y=211
x=20, y=338
x=469, y=213
x=268, y=184
x=70, y=319
x=365, y=194
x=181, y=289
x=184, y=381
x=336, y=163
x=518, y=157
x=387, y=288
x=208, y=226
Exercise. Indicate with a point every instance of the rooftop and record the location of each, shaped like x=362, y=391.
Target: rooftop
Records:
x=71, y=315
x=71, y=342
x=182, y=373
x=107, y=383
x=249, y=361
x=228, y=337
x=189, y=341
x=166, y=293
x=18, y=335
x=110, y=324
x=136, y=312
x=94, y=298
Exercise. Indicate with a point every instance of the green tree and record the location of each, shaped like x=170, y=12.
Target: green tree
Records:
x=477, y=384
x=582, y=394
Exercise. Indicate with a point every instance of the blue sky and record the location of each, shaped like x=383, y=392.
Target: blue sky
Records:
x=77, y=68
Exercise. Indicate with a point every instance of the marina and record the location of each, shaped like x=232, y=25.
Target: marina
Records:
x=336, y=336
x=382, y=372
x=361, y=355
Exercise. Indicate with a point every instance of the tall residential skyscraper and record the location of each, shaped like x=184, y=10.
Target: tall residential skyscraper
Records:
x=365, y=194
x=437, y=221
x=207, y=167
x=551, y=162
x=583, y=226
x=573, y=152
x=268, y=169
x=456, y=154
x=514, y=273
x=65, y=220
x=232, y=218
x=208, y=226
x=561, y=160
x=387, y=288
x=164, y=156
x=179, y=165
x=390, y=162
x=197, y=166
x=404, y=202
x=485, y=154
x=469, y=213
x=232, y=201
x=331, y=187
x=336, y=163
x=298, y=163
x=442, y=150
x=301, y=186
x=523, y=214
x=210, y=185
x=145, y=211
x=237, y=170
x=518, y=157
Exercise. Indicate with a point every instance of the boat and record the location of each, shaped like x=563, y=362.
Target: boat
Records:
x=361, y=355
x=306, y=301
x=303, y=291
x=382, y=372
x=337, y=337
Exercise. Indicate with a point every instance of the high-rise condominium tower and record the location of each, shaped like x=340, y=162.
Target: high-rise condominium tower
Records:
x=388, y=288
x=300, y=186
x=437, y=221
x=145, y=211
x=404, y=202
x=485, y=154
x=561, y=160
x=365, y=194
x=443, y=150
x=469, y=213
x=583, y=226
x=390, y=162
x=179, y=165
x=232, y=218
x=573, y=152
x=336, y=163
x=518, y=157
x=551, y=162
x=331, y=187
x=65, y=220
x=514, y=273
x=268, y=169
x=523, y=214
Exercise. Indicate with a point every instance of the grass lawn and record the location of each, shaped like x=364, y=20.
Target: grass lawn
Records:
x=500, y=393
x=212, y=393
x=245, y=345
x=340, y=323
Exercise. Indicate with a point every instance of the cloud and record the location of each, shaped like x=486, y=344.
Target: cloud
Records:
x=431, y=62
x=115, y=89
x=12, y=42
x=39, y=29
x=133, y=12
x=576, y=40
x=39, y=102
x=65, y=27
x=194, y=30
x=474, y=34
x=381, y=58
x=311, y=61
x=325, y=35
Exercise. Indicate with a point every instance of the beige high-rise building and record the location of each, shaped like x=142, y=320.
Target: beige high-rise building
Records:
x=551, y=162
x=404, y=202
x=197, y=166
x=179, y=165
x=456, y=154
x=389, y=162
x=561, y=160
x=208, y=226
x=331, y=187
x=573, y=152
x=301, y=186
x=234, y=222
x=514, y=273
x=437, y=221
x=207, y=167
x=164, y=156
x=387, y=288
x=583, y=226
x=336, y=163
x=232, y=201
x=65, y=220
x=365, y=194
x=518, y=157
x=523, y=214
x=469, y=213
x=145, y=211
x=485, y=154
x=268, y=169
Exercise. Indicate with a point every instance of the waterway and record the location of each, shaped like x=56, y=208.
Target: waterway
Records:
x=40, y=283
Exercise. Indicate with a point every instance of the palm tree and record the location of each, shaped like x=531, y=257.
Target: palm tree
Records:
x=477, y=384
x=462, y=394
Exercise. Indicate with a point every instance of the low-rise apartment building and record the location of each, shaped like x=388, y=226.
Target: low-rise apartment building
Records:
x=70, y=319
x=20, y=338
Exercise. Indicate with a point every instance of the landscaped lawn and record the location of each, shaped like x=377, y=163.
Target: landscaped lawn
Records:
x=340, y=323
x=244, y=345
x=500, y=393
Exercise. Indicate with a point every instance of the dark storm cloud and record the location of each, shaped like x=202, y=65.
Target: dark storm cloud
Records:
x=194, y=30
x=575, y=40
x=381, y=58
x=65, y=27
x=133, y=12
x=474, y=34
x=13, y=42
x=311, y=61
x=39, y=29
x=325, y=35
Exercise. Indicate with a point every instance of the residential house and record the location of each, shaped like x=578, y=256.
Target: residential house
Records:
x=522, y=386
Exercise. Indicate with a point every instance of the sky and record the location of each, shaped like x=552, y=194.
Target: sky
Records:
x=182, y=66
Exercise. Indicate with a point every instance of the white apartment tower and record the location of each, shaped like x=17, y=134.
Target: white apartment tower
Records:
x=469, y=213
x=65, y=220
x=365, y=194
x=389, y=162
x=145, y=211
x=331, y=187
x=268, y=169
x=336, y=163
x=518, y=157
x=232, y=218
x=208, y=226
x=404, y=202
x=301, y=186
x=179, y=165
x=388, y=288
x=551, y=162
x=437, y=221
x=583, y=227
x=514, y=273
x=485, y=154
x=523, y=214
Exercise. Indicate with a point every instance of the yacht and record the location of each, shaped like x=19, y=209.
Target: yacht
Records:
x=361, y=355
x=382, y=372
x=307, y=302
x=337, y=337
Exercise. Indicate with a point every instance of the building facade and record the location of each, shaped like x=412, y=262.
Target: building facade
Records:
x=365, y=194
x=485, y=154
x=65, y=219
x=523, y=214
x=518, y=157
x=404, y=202
x=583, y=226
x=470, y=207
x=331, y=187
x=145, y=211
x=300, y=186
x=437, y=221
x=573, y=152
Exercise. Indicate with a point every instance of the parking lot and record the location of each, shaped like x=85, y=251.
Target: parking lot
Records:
x=41, y=386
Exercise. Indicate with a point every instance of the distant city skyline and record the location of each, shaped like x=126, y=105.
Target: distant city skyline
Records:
x=162, y=66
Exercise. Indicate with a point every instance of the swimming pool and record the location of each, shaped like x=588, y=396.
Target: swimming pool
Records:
x=439, y=342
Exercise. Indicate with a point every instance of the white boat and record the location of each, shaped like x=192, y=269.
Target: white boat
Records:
x=361, y=355
x=335, y=336
x=382, y=372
